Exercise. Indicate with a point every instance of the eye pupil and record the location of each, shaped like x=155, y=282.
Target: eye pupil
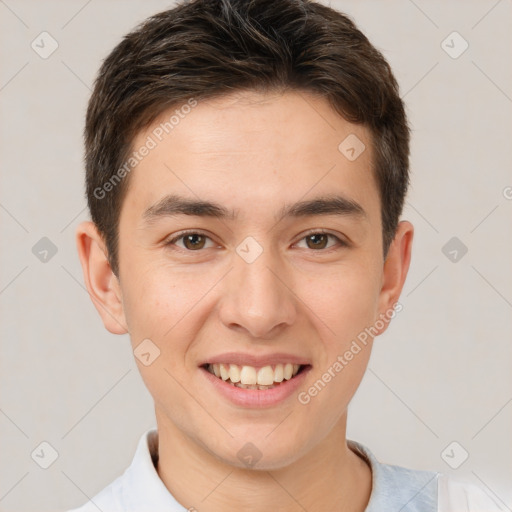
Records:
x=192, y=239
x=316, y=242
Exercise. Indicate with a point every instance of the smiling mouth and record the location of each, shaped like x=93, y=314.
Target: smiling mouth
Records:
x=250, y=377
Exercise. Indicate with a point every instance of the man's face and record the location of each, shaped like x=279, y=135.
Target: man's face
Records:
x=254, y=288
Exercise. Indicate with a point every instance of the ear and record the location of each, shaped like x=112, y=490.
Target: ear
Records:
x=102, y=284
x=395, y=269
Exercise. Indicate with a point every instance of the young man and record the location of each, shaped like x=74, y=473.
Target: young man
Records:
x=247, y=164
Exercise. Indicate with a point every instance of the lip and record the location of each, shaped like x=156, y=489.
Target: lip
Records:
x=254, y=360
x=256, y=398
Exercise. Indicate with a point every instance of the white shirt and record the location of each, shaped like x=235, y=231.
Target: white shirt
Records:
x=394, y=488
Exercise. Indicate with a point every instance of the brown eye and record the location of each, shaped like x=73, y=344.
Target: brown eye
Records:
x=194, y=241
x=191, y=241
x=317, y=240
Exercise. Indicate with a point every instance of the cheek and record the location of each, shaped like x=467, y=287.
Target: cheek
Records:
x=343, y=307
x=160, y=303
x=343, y=302
x=158, y=307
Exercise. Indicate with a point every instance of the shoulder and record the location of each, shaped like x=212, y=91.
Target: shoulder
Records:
x=398, y=488
x=138, y=488
x=117, y=496
x=458, y=496
x=411, y=490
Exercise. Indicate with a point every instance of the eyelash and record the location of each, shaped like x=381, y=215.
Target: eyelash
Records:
x=341, y=243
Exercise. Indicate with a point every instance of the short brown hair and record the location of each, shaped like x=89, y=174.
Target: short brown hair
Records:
x=209, y=48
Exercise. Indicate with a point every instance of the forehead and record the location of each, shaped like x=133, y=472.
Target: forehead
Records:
x=253, y=151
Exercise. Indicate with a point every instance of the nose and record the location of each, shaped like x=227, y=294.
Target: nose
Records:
x=258, y=297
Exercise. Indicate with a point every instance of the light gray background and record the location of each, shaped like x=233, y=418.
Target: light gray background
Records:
x=441, y=373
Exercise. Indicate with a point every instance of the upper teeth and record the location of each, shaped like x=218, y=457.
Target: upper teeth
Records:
x=248, y=375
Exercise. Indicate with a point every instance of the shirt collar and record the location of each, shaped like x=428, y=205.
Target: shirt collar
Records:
x=143, y=489
x=396, y=488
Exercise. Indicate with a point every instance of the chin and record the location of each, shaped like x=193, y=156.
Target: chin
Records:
x=258, y=453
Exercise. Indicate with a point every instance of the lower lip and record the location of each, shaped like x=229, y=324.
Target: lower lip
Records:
x=257, y=397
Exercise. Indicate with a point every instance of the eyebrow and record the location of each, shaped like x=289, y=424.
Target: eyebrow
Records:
x=174, y=205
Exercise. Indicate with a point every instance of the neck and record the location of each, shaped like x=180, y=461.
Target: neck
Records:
x=329, y=477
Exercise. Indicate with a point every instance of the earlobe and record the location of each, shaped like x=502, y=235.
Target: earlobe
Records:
x=100, y=281
x=395, y=268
